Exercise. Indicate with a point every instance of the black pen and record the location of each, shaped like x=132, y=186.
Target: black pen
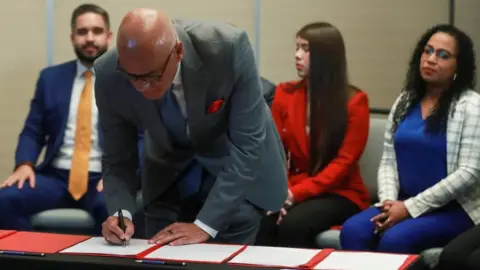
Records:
x=21, y=253
x=161, y=262
x=121, y=224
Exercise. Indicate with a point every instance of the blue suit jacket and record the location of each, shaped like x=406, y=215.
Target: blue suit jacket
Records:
x=47, y=119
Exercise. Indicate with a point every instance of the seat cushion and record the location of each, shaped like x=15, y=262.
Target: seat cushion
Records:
x=430, y=256
x=64, y=218
x=329, y=239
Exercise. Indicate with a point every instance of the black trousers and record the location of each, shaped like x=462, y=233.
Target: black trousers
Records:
x=304, y=221
x=462, y=252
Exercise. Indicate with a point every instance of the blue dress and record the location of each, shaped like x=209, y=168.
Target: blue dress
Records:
x=421, y=163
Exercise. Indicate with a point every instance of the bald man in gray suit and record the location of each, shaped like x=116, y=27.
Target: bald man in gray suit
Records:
x=214, y=162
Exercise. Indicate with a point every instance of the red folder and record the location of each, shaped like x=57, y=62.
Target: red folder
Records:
x=137, y=249
x=98, y=246
x=317, y=258
x=39, y=242
x=321, y=255
x=405, y=265
x=408, y=262
x=5, y=233
x=227, y=255
x=138, y=256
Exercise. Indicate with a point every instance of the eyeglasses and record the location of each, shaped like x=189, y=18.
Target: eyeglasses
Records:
x=440, y=53
x=146, y=79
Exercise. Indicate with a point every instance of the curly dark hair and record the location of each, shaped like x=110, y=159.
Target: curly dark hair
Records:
x=415, y=87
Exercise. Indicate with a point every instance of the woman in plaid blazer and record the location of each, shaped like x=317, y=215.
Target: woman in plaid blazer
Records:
x=428, y=179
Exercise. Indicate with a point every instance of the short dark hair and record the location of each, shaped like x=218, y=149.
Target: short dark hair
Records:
x=89, y=8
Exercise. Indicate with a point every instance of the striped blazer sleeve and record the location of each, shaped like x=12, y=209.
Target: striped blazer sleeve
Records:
x=465, y=175
x=387, y=178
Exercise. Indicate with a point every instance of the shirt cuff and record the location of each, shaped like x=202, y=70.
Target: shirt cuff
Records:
x=382, y=201
x=125, y=214
x=378, y=204
x=413, y=208
x=213, y=233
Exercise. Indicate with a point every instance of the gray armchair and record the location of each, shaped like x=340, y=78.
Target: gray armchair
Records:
x=74, y=221
x=64, y=220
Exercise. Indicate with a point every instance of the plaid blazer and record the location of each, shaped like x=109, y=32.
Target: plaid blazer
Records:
x=463, y=164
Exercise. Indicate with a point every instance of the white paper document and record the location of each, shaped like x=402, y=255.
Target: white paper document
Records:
x=275, y=256
x=98, y=245
x=211, y=253
x=361, y=261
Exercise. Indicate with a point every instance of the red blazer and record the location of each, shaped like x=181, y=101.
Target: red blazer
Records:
x=342, y=175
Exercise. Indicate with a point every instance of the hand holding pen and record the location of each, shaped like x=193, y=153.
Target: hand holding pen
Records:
x=121, y=224
x=118, y=230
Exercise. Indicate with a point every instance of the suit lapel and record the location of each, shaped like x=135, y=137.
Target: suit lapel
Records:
x=64, y=91
x=298, y=110
x=194, y=82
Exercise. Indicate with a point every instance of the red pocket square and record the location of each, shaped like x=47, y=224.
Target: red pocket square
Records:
x=215, y=106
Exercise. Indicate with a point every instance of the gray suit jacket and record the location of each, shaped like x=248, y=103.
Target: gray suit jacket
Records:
x=238, y=144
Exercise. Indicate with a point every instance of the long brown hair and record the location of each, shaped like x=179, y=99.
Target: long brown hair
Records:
x=329, y=92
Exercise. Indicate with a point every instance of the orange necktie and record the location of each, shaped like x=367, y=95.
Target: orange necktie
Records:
x=78, y=182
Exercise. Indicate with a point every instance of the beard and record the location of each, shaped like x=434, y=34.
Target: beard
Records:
x=89, y=59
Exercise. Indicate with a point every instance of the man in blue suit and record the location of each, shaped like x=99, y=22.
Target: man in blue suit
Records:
x=63, y=118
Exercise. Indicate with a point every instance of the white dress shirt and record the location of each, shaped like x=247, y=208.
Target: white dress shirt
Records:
x=180, y=97
x=63, y=159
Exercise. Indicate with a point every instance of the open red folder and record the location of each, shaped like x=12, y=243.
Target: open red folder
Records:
x=349, y=260
x=39, y=242
x=97, y=246
x=198, y=253
x=142, y=250
x=5, y=233
x=280, y=257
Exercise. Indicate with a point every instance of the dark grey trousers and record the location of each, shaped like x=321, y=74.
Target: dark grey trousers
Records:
x=169, y=208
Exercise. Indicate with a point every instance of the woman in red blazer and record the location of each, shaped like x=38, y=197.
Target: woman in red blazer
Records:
x=323, y=123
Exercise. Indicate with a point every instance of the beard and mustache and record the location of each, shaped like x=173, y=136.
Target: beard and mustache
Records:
x=89, y=59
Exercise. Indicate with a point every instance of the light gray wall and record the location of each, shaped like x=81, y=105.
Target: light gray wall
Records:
x=379, y=36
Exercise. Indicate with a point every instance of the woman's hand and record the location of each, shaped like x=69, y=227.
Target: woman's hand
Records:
x=283, y=212
x=392, y=214
x=290, y=200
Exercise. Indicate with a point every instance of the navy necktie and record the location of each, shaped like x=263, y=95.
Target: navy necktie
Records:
x=190, y=181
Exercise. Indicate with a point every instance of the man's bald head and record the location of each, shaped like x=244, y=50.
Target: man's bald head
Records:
x=142, y=28
x=145, y=43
